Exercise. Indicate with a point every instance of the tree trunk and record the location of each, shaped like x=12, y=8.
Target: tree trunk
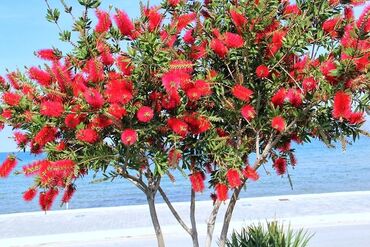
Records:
x=194, y=231
x=228, y=215
x=211, y=223
x=154, y=216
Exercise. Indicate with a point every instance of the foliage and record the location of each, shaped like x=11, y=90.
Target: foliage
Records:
x=195, y=86
x=272, y=235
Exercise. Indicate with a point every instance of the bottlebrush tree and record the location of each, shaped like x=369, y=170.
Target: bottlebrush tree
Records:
x=197, y=86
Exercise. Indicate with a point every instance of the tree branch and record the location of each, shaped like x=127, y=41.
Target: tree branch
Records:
x=173, y=211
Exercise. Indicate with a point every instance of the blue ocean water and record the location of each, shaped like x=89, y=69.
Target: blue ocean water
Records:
x=319, y=170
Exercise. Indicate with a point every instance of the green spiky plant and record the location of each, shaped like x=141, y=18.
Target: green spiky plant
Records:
x=274, y=235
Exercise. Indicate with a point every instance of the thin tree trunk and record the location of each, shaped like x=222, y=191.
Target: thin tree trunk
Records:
x=173, y=211
x=211, y=223
x=154, y=216
x=194, y=231
x=228, y=215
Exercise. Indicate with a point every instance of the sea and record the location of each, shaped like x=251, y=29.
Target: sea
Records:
x=319, y=170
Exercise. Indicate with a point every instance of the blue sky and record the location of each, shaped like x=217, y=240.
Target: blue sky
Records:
x=23, y=30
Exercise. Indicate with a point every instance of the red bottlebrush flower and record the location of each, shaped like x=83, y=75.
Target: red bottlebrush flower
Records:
x=2, y=82
x=295, y=97
x=172, y=80
x=204, y=87
x=61, y=146
x=193, y=94
x=46, y=199
x=356, y=118
x=197, y=124
x=241, y=92
x=13, y=78
x=42, y=77
x=7, y=166
x=87, y=135
x=104, y=21
x=35, y=148
x=327, y=69
x=124, y=64
x=169, y=40
x=363, y=22
x=11, y=99
x=219, y=48
x=262, y=71
x=183, y=66
x=250, y=173
x=221, y=192
x=45, y=135
x=101, y=122
x=68, y=193
x=48, y=54
x=35, y=167
x=362, y=63
x=145, y=114
x=292, y=9
x=62, y=75
x=238, y=19
x=119, y=91
x=342, y=105
x=233, y=40
x=29, y=194
x=309, y=84
x=330, y=26
x=184, y=20
x=278, y=123
x=155, y=19
x=7, y=114
x=197, y=181
x=233, y=178
x=280, y=166
x=188, y=36
x=349, y=14
x=248, y=112
x=173, y=3
x=293, y=159
x=178, y=126
x=129, y=137
x=124, y=24
x=279, y=97
x=72, y=120
x=94, y=70
x=171, y=101
x=20, y=138
x=117, y=111
x=94, y=98
x=51, y=108
x=174, y=157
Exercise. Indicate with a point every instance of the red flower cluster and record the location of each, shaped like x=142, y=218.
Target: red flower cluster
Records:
x=197, y=181
x=262, y=71
x=221, y=192
x=104, y=21
x=280, y=166
x=87, y=135
x=7, y=166
x=250, y=173
x=233, y=178
x=145, y=114
x=129, y=137
x=241, y=92
x=29, y=194
x=51, y=108
x=278, y=123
